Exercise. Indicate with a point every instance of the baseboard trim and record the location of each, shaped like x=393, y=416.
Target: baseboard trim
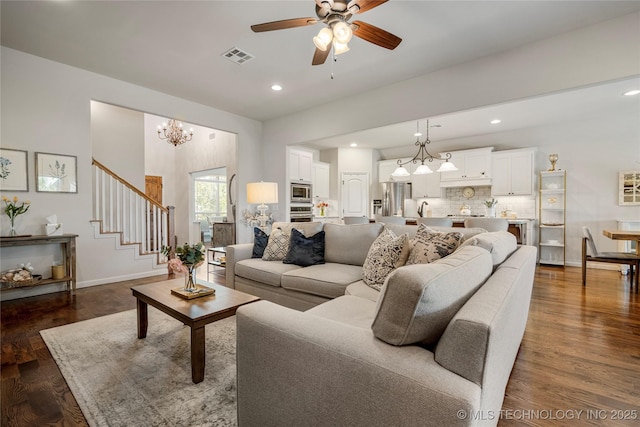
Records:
x=114, y=279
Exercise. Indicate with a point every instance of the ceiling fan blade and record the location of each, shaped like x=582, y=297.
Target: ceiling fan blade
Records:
x=319, y=56
x=375, y=35
x=364, y=5
x=284, y=24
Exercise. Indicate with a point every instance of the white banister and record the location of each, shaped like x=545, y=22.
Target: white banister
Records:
x=122, y=208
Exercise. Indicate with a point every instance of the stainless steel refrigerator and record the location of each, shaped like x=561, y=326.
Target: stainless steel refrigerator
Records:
x=393, y=196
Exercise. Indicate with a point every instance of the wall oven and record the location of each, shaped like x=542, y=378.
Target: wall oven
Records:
x=301, y=213
x=300, y=192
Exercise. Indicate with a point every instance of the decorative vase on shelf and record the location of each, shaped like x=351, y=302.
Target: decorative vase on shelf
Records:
x=190, y=279
x=322, y=211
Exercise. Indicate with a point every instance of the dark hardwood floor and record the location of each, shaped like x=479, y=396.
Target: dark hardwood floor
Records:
x=580, y=352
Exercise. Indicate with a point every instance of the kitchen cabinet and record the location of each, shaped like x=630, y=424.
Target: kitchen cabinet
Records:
x=552, y=187
x=320, y=180
x=423, y=186
x=300, y=165
x=512, y=173
x=472, y=165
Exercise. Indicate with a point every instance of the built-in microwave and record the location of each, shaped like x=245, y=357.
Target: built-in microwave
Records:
x=300, y=192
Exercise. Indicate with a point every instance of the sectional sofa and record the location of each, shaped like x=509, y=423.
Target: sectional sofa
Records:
x=434, y=347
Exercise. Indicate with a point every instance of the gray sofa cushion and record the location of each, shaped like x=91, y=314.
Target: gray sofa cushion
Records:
x=500, y=245
x=362, y=290
x=418, y=301
x=267, y=272
x=327, y=280
x=347, y=309
x=349, y=244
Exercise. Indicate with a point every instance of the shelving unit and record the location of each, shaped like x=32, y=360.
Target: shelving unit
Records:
x=553, y=208
x=68, y=244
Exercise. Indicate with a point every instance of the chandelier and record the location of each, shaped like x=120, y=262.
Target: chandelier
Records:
x=173, y=133
x=423, y=155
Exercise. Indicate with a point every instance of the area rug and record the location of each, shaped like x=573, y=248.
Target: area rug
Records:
x=120, y=380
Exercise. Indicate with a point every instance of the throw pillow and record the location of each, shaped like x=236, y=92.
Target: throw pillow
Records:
x=260, y=239
x=387, y=253
x=277, y=246
x=430, y=245
x=305, y=251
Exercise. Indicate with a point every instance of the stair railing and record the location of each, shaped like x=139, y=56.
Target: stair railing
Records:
x=122, y=208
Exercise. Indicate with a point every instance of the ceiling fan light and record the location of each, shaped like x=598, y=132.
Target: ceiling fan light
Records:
x=342, y=32
x=400, y=171
x=323, y=39
x=339, y=48
x=325, y=4
x=447, y=166
x=422, y=170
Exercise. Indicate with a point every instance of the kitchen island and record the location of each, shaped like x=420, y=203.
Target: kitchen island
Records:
x=522, y=228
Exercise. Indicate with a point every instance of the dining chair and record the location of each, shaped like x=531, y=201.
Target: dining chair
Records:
x=355, y=220
x=436, y=222
x=489, y=224
x=589, y=245
x=391, y=220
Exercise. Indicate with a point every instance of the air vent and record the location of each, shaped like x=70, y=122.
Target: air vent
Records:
x=237, y=55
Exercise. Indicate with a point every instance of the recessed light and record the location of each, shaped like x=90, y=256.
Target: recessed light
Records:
x=495, y=121
x=276, y=87
x=353, y=144
x=632, y=92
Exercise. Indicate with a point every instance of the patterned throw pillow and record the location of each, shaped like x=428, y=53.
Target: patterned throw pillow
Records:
x=430, y=245
x=387, y=253
x=277, y=247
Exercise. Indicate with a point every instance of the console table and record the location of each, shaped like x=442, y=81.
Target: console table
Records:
x=68, y=244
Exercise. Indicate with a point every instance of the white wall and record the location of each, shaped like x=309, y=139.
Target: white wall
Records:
x=115, y=140
x=46, y=106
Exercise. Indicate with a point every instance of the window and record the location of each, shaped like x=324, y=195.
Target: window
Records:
x=210, y=194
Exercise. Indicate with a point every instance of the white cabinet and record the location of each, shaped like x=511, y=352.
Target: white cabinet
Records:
x=300, y=165
x=552, y=217
x=320, y=180
x=423, y=186
x=472, y=165
x=512, y=173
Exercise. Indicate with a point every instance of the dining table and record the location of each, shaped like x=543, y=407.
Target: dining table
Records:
x=624, y=235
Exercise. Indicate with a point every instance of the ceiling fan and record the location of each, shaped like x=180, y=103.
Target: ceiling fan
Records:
x=336, y=14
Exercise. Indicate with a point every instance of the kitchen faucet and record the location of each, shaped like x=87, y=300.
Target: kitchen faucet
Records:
x=421, y=209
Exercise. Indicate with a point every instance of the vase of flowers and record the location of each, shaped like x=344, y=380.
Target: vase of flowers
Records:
x=322, y=206
x=490, y=208
x=188, y=259
x=13, y=209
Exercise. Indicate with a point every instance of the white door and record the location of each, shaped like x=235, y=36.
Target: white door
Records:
x=355, y=194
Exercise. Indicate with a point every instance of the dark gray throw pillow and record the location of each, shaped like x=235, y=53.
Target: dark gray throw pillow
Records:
x=260, y=239
x=305, y=251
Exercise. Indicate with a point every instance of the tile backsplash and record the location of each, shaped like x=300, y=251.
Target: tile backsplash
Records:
x=524, y=207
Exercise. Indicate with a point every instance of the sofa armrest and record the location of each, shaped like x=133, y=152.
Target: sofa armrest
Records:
x=295, y=368
x=234, y=254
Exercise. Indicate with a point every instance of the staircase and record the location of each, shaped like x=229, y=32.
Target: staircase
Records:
x=122, y=210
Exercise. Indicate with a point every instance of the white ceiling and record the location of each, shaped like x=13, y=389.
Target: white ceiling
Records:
x=175, y=47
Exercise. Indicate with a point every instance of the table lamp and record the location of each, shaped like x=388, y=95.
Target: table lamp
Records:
x=262, y=193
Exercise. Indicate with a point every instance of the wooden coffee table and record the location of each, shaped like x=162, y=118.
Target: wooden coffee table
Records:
x=195, y=313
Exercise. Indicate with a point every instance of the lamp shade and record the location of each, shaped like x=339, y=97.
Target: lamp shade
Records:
x=447, y=166
x=262, y=192
x=400, y=171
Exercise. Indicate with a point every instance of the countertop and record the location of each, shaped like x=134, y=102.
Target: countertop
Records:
x=461, y=218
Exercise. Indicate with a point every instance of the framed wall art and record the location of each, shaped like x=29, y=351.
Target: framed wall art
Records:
x=629, y=188
x=56, y=173
x=13, y=170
